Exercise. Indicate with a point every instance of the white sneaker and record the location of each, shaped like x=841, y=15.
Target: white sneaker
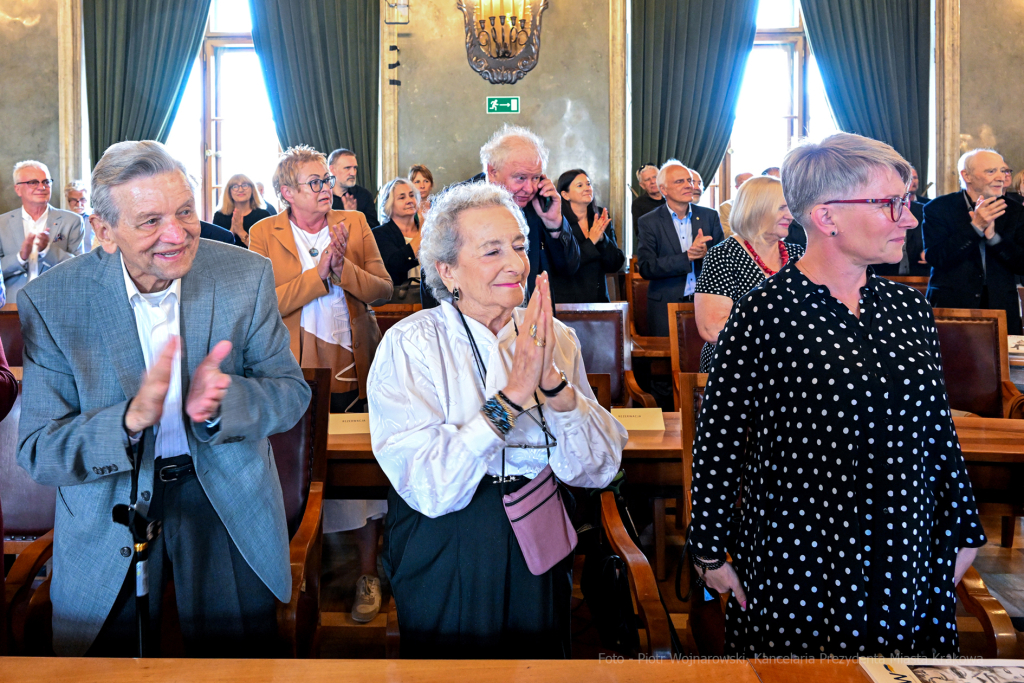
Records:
x=366, y=605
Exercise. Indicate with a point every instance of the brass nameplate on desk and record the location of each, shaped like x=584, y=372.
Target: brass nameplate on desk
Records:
x=640, y=419
x=349, y=423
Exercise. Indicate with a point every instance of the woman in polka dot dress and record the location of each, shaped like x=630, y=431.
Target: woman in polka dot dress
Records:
x=760, y=222
x=825, y=458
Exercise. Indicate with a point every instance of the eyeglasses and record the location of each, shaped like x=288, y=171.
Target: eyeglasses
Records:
x=896, y=204
x=36, y=183
x=317, y=185
x=239, y=186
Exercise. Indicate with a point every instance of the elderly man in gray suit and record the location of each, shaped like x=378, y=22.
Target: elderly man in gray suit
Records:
x=160, y=388
x=37, y=236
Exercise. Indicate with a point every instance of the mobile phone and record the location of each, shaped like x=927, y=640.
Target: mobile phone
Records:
x=545, y=203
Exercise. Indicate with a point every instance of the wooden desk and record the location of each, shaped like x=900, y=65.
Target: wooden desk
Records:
x=652, y=347
x=650, y=458
x=66, y=670
x=994, y=451
x=991, y=440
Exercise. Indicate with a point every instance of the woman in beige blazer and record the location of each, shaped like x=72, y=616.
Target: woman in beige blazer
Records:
x=327, y=271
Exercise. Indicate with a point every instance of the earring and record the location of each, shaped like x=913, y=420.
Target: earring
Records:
x=456, y=295
x=833, y=233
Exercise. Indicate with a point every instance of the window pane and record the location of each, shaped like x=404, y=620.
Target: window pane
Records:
x=820, y=122
x=248, y=138
x=777, y=14
x=761, y=134
x=185, y=141
x=230, y=16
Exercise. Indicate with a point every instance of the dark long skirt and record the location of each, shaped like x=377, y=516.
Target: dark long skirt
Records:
x=462, y=587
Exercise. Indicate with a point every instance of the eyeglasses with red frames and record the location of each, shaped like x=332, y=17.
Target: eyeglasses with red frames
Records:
x=896, y=204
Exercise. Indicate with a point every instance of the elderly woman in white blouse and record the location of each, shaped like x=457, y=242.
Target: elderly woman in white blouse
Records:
x=455, y=423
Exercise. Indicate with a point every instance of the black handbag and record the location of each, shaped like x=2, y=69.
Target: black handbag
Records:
x=406, y=293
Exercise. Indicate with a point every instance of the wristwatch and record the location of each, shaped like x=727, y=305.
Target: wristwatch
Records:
x=551, y=393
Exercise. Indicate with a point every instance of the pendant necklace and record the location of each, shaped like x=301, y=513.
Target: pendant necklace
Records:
x=313, y=251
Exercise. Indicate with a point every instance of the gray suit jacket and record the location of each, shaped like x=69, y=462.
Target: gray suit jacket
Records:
x=66, y=231
x=84, y=362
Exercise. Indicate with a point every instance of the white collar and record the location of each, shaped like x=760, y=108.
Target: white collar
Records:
x=42, y=218
x=481, y=331
x=133, y=290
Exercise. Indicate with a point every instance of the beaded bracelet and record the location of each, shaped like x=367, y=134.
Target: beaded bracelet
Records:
x=498, y=414
x=705, y=566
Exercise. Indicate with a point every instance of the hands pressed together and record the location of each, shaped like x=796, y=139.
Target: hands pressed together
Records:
x=985, y=213
x=601, y=222
x=533, y=366
x=332, y=260
x=41, y=241
x=238, y=226
x=206, y=390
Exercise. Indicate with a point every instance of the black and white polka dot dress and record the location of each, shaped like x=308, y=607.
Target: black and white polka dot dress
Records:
x=826, y=463
x=730, y=271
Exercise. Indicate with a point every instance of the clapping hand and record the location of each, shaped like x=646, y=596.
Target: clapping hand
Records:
x=699, y=247
x=338, y=247
x=985, y=213
x=40, y=240
x=601, y=222
x=209, y=385
x=147, y=407
x=349, y=202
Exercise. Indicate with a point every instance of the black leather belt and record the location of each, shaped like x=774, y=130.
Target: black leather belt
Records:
x=173, y=469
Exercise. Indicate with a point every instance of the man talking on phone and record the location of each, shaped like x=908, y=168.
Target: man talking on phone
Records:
x=974, y=241
x=514, y=158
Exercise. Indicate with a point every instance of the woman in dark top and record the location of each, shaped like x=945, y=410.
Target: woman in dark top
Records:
x=825, y=460
x=241, y=208
x=398, y=238
x=593, y=229
x=760, y=222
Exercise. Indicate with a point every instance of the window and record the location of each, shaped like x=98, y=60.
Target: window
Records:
x=224, y=124
x=782, y=99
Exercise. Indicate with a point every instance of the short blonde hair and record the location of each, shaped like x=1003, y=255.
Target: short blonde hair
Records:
x=1017, y=184
x=227, y=204
x=755, y=207
x=287, y=171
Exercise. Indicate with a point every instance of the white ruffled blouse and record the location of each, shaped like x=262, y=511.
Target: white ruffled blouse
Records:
x=431, y=439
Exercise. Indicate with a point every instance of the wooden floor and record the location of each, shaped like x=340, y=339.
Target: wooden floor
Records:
x=1001, y=568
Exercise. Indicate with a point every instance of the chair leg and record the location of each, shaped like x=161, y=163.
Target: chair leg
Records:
x=660, y=570
x=1009, y=526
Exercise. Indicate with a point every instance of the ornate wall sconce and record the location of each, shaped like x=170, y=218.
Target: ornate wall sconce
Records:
x=502, y=37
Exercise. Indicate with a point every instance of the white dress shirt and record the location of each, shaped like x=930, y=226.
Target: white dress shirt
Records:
x=33, y=227
x=684, y=230
x=432, y=441
x=157, y=318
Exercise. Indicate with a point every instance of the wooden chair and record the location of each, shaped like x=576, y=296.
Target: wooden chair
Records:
x=605, y=345
x=636, y=296
x=601, y=384
x=10, y=335
x=29, y=506
x=918, y=282
x=301, y=458
x=642, y=584
x=389, y=314
x=1000, y=635
x=686, y=342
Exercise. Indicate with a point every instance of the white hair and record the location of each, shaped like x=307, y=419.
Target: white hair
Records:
x=124, y=162
x=663, y=171
x=441, y=238
x=507, y=140
x=30, y=163
x=387, y=200
x=964, y=163
x=76, y=186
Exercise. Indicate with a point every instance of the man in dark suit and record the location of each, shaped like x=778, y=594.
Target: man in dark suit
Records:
x=514, y=158
x=974, y=241
x=347, y=195
x=673, y=241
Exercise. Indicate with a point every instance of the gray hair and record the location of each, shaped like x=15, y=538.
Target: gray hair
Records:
x=387, y=201
x=663, y=171
x=835, y=168
x=507, y=140
x=124, y=162
x=76, y=186
x=964, y=163
x=441, y=238
x=30, y=163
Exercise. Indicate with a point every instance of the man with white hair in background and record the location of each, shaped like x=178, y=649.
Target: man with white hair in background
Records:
x=974, y=241
x=37, y=236
x=514, y=158
x=725, y=208
x=76, y=193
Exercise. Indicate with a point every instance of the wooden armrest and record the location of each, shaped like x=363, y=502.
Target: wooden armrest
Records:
x=634, y=391
x=1013, y=401
x=18, y=593
x=1000, y=636
x=641, y=579
x=392, y=639
x=298, y=618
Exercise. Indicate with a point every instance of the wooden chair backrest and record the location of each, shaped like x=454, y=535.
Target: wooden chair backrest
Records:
x=28, y=507
x=689, y=392
x=10, y=335
x=686, y=342
x=975, y=358
x=918, y=282
x=601, y=384
x=636, y=295
x=604, y=341
x=389, y=314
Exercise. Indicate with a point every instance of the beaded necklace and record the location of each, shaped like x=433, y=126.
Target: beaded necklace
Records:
x=783, y=253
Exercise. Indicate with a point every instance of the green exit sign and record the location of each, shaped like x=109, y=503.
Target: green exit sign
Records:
x=502, y=105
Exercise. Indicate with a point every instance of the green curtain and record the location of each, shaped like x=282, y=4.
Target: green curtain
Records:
x=320, y=63
x=688, y=62
x=874, y=60
x=138, y=56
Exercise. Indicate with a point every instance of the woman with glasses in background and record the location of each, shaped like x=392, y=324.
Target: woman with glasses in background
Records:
x=327, y=272
x=241, y=208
